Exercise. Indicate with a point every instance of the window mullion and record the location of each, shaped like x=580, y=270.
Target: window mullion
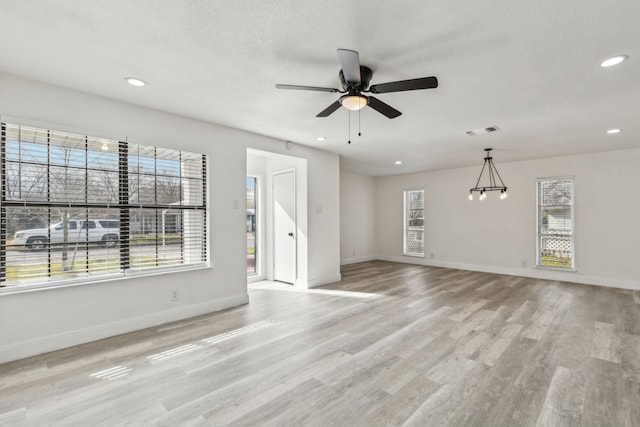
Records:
x=3, y=246
x=123, y=178
x=49, y=200
x=86, y=200
x=3, y=210
x=204, y=205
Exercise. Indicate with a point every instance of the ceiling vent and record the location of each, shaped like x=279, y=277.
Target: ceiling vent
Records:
x=484, y=131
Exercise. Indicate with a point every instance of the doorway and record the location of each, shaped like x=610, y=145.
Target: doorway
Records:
x=284, y=226
x=286, y=175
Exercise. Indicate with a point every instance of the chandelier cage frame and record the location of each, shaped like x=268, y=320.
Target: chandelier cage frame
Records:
x=492, y=173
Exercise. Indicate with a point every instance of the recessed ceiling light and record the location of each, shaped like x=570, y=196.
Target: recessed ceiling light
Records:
x=321, y=138
x=398, y=162
x=614, y=131
x=613, y=61
x=135, y=82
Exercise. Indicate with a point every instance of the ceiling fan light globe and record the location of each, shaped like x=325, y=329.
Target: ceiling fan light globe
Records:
x=354, y=102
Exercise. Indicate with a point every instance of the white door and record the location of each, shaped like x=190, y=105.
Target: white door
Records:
x=284, y=227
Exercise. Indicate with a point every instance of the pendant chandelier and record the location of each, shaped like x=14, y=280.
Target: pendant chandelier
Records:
x=490, y=179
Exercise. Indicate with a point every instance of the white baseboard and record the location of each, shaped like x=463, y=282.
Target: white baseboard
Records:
x=535, y=273
x=314, y=283
x=254, y=279
x=355, y=260
x=46, y=344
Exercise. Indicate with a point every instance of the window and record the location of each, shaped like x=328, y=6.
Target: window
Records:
x=555, y=223
x=414, y=222
x=75, y=207
x=252, y=229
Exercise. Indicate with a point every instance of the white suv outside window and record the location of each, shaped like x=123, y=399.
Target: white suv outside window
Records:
x=105, y=231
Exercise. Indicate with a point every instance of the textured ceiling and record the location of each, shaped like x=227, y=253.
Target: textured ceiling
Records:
x=529, y=67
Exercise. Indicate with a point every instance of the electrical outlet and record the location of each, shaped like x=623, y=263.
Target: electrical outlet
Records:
x=175, y=295
x=524, y=264
x=431, y=255
x=354, y=253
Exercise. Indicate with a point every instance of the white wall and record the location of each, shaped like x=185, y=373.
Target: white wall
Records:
x=357, y=218
x=323, y=200
x=500, y=235
x=44, y=320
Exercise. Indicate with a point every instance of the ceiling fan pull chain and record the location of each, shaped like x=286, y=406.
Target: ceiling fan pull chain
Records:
x=359, y=133
x=349, y=131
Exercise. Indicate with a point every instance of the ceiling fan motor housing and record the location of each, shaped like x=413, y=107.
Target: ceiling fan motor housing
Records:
x=365, y=79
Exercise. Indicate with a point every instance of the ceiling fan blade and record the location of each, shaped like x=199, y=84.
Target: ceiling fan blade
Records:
x=400, y=86
x=316, y=88
x=330, y=109
x=350, y=63
x=382, y=108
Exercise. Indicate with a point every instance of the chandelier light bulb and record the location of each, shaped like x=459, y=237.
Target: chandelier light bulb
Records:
x=470, y=196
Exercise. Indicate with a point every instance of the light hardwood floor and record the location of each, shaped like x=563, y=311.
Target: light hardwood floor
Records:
x=389, y=345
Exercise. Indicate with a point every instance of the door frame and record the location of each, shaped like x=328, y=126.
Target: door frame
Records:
x=295, y=223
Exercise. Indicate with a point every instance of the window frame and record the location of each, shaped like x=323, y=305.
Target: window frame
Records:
x=124, y=207
x=540, y=234
x=406, y=227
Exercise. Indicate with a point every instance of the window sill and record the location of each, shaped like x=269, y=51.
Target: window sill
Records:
x=88, y=280
x=567, y=269
x=414, y=255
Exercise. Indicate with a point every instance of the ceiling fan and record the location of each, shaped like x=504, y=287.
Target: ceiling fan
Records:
x=355, y=80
